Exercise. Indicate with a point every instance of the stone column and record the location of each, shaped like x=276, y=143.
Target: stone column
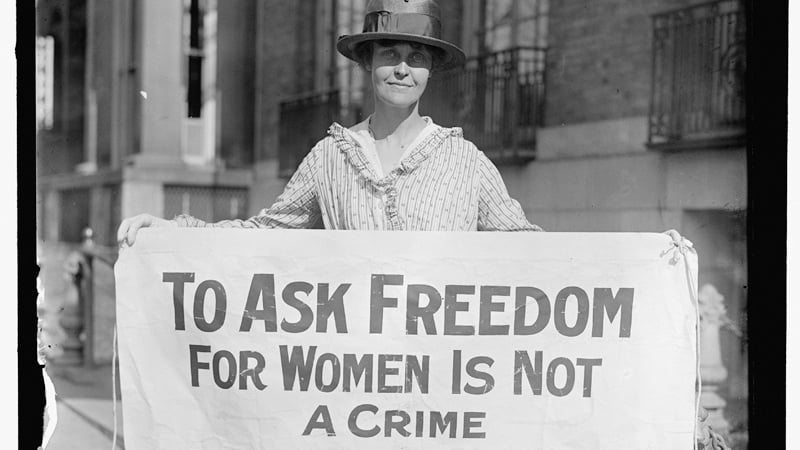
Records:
x=70, y=91
x=124, y=97
x=89, y=163
x=98, y=78
x=712, y=371
x=161, y=89
x=235, y=77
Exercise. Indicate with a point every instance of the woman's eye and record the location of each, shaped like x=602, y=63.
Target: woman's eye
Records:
x=419, y=58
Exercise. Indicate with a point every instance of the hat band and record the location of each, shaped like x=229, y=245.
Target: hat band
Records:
x=407, y=23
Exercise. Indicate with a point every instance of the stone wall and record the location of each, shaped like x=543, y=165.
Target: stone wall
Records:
x=284, y=67
x=599, y=58
x=236, y=69
x=646, y=191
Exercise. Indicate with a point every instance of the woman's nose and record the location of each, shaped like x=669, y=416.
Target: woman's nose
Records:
x=401, y=69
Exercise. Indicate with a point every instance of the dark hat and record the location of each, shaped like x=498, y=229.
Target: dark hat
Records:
x=402, y=20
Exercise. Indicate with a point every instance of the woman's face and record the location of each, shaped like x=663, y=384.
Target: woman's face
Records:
x=400, y=73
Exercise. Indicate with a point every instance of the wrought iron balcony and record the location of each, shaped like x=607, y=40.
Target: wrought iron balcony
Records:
x=497, y=98
x=698, y=87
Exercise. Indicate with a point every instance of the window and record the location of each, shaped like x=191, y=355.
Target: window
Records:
x=698, y=92
x=198, y=30
x=495, y=25
x=498, y=96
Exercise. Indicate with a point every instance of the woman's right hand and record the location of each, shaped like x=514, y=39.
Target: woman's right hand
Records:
x=126, y=234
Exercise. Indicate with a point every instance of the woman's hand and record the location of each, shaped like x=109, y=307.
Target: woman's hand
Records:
x=677, y=239
x=126, y=234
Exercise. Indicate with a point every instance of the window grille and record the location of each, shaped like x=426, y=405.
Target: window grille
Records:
x=497, y=98
x=207, y=203
x=698, y=89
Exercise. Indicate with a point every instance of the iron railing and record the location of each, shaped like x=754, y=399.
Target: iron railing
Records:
x=95, y=203
x=498, y=100
x=698, y=86
x=304, y=120
x=88, y=322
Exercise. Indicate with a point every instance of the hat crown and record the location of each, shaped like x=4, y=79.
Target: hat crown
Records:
x=426, y=7
x=405, y=20
x=412, y=17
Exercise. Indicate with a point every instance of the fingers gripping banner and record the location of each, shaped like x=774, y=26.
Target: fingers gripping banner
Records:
x=325, y=339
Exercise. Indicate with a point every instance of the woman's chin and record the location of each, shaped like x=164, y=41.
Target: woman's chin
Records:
x=396, y=101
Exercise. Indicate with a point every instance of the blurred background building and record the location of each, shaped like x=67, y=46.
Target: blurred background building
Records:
x=602, y=115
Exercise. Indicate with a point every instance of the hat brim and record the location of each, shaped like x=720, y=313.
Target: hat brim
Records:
x=454, y=56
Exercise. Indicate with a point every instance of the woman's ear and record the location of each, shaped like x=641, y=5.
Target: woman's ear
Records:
x=366, y=64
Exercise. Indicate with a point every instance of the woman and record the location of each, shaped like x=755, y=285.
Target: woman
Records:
x=396, y=170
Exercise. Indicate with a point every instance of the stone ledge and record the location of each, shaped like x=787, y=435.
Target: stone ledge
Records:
x=605, y=138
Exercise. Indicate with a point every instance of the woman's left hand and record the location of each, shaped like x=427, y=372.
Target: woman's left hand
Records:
x=677, y=239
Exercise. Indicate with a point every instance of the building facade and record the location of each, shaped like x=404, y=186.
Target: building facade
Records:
x=603, y=115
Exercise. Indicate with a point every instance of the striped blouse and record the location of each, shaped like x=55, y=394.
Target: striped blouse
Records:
x=443, y=183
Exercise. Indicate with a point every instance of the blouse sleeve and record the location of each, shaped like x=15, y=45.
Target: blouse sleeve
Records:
x=497, y=211
x=296, y=207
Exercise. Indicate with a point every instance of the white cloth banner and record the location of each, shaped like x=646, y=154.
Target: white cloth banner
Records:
x=232, y=338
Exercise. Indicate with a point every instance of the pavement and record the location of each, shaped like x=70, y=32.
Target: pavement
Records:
x=83, y=395
x=85, y=408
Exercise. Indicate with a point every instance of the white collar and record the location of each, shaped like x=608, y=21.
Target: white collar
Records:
x=360, y=132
